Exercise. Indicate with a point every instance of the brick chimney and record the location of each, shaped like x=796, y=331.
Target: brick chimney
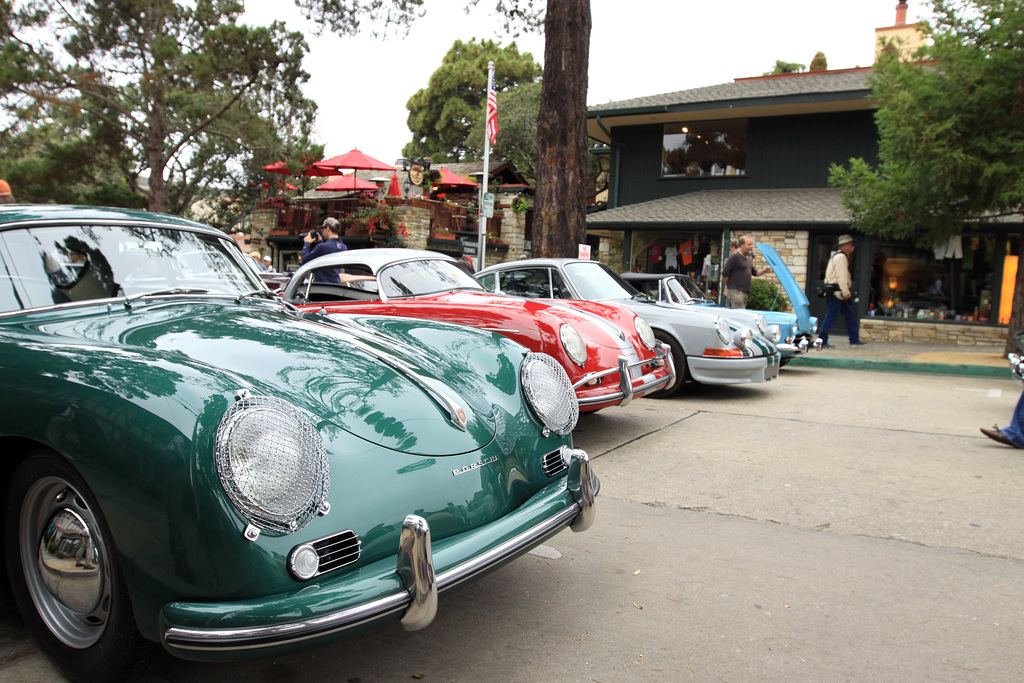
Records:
x=901, y=14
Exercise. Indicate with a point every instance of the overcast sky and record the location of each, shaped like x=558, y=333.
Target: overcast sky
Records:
x=638, y=48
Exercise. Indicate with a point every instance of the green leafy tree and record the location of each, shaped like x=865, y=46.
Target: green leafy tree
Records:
x=951, y=132
x=819, y=63
x=518, y=111
x=177, y=90
x=562, y=162
x=785, y=68
x=441, y=115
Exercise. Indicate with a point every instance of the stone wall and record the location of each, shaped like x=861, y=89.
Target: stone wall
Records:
x=793, y=247
x=952, y=333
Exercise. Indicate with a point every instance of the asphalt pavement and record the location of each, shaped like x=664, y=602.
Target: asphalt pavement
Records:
x=835, y=524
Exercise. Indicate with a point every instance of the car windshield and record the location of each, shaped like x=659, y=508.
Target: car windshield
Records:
x=596, y=281
x=72, y=263
x=424, y=276
x=686, y=289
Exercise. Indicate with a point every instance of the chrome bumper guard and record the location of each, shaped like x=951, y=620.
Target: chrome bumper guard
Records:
x=418, y=600
x=626, y=391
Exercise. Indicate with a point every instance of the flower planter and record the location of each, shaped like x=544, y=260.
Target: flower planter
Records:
x=443, y=236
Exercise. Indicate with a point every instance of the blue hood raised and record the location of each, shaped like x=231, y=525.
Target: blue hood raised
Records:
x=797, y=298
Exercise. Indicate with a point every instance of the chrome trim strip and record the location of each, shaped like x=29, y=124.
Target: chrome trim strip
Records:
x=227, y=640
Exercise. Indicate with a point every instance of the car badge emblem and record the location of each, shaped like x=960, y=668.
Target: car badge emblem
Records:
x=475, y=466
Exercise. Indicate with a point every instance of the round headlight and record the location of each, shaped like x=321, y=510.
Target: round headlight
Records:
x=774, y=333
x=743, y=337
x=762, y=325
x=644, y=331
x=723, y=330
x=549, y=393
x=272, y=463
x=572, y=342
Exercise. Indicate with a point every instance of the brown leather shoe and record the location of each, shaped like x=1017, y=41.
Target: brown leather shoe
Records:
x=997, y=435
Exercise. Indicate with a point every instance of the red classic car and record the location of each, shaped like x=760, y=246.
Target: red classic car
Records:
x=609, y=353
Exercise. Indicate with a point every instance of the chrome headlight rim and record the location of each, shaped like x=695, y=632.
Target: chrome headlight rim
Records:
x=549, y=393
x=743, y=338
x=723, y=330
x=762, y=325
x=645, y=332
x=774, y=334
x=272, y=464
x=573, y=343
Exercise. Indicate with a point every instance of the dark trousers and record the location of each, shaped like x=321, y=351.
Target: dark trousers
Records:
x=835, y=307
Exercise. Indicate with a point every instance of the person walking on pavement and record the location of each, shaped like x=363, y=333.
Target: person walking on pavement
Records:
x=314, y=246
x=738, y=270
x=1014, y=434
x=838, y=278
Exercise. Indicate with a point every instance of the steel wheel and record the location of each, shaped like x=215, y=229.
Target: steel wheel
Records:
x=65, y=574
x=64, y=560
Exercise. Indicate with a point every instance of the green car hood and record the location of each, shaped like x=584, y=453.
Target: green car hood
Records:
x=383, y=389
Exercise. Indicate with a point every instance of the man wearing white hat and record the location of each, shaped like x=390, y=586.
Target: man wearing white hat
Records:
x=838, y=279
x=267, y=261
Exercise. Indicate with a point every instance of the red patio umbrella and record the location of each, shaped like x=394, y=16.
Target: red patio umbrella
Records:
x=311, y=170
x=354, y=160
x=393, y=189
x=346, y=182
x=449, y=179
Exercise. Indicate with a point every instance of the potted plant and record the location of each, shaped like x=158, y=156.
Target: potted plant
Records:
x=383, y=226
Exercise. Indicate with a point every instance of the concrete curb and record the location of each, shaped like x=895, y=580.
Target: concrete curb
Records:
x=962, y=370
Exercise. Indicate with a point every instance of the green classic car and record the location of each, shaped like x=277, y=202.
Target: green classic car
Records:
x=193, y=462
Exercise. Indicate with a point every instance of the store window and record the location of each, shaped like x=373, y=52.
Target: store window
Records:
x=705, y=148
x=964, y=279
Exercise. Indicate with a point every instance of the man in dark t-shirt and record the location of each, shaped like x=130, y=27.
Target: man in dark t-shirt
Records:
x=738, y=271
x=330, y=243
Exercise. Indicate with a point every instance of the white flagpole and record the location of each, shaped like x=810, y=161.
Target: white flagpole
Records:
x=482, y=222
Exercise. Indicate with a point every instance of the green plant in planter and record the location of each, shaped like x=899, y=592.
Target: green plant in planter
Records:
x=766, y=296
x=519, y=205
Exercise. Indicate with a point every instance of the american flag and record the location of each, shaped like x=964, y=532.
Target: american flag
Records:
x=492, y=112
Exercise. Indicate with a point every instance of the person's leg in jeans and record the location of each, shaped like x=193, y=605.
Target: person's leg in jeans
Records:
x=852, y=325
x=831, y=315
x=1015, y=432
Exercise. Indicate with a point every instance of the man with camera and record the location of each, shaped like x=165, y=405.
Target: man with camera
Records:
x=838, y=282
x=326, y=241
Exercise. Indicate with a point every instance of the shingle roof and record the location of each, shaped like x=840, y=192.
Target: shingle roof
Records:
x=810, y=83
x=810, y=205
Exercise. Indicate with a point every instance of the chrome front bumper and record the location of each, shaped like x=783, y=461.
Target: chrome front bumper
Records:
x=410, y=590
x=626, y=391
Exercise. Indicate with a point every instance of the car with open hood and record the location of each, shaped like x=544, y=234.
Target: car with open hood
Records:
x=782, y=327
x=706, y=347
x=610, y=354
x=190, y=461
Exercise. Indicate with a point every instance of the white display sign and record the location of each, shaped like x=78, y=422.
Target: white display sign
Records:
x=488, y=205
x=584, y=251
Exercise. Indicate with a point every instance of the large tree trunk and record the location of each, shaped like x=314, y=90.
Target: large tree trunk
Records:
x=560, y=219
x=1017, y=312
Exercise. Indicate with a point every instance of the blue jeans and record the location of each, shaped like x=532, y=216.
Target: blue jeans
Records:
x=835, y=307
x=1015, y=432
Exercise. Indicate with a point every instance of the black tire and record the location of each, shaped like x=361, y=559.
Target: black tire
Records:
x=783, y=361
x=679, y=358
x=65, y=574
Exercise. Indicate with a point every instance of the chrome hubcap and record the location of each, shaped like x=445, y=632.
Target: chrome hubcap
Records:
x=65, y=562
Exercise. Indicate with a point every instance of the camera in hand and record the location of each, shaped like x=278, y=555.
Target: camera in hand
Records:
x=314, y=235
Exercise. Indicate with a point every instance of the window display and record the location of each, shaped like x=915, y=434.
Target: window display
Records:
x=705, y=148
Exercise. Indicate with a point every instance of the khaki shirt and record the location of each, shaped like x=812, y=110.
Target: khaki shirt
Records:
x=838, y=273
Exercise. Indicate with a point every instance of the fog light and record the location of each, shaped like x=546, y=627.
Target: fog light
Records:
x=304, y=562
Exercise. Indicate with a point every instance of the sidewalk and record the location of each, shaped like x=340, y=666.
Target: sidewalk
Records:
x=934, y=359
